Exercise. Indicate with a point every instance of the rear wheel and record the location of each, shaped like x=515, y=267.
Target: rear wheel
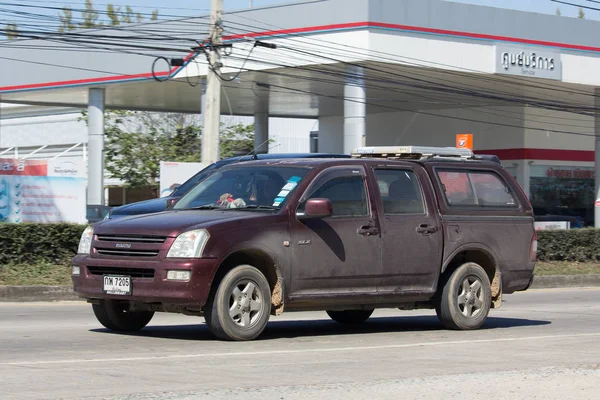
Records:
x=465, y=298
x=114, y=316
x=241, y=306
x=350, y=316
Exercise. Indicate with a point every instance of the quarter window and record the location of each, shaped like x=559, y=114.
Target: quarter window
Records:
x=475, y=188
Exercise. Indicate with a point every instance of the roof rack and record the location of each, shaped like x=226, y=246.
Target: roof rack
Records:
x=411, y=152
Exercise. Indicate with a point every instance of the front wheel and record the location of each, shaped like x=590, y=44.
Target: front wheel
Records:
x=465, y=298
x=114, y=316
x=241, y=305
x=350, y=316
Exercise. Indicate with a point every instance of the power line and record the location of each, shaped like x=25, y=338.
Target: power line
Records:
x=434, y=114
x=576, y=5
x=286, y=89
x=340, y=75
x=479, y=76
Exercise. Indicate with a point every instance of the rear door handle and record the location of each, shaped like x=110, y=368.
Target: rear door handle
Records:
x=425, y=229
x=367, y=230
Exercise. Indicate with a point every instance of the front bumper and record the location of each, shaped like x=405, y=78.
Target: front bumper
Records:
x=149, y=290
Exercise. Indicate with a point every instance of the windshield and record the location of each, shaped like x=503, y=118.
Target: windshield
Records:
x=248, y=187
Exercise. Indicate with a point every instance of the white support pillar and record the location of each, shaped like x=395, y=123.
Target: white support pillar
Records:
x=261, y=132
x=95, y=185
x=597, y=157
x=203, y=113
x=261, y=120
x=355, y=109
x=212, y=117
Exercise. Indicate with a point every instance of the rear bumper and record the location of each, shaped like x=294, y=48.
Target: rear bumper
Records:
x=518, y=280
x=149, y=290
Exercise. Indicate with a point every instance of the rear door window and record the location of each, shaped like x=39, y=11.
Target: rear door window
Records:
x=400, y=191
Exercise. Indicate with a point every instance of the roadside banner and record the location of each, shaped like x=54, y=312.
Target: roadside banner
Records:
x=173, y=174
x=42, y=190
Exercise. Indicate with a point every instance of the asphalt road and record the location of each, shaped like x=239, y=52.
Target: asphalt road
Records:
x=540, y=345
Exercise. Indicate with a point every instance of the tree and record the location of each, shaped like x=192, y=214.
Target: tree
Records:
x=136, y=142
x=113, y=14
x=581, y=14
x=558, y=12
x=11, y=32
x=236, y=139
x=66, y=20
x=90, y=16
x=127, y=15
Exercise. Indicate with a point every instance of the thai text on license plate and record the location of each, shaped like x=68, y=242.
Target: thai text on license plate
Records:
x=115, y=284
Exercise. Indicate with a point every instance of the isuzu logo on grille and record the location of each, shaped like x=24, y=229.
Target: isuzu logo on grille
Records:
x=123, y=246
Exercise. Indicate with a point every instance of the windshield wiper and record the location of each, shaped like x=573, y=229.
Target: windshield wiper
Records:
x=207, y=207
x=259, y=207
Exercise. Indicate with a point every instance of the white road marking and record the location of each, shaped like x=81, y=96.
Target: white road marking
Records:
x=323, y=350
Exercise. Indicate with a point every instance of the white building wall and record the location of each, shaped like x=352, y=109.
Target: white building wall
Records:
x=440, y=127
x=43, y=130
x=577, y=130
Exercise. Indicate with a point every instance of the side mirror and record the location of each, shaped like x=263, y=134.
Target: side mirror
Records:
x=316, y=208
x=171, y=202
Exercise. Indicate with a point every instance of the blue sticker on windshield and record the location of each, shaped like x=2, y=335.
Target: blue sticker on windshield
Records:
x=291, y=184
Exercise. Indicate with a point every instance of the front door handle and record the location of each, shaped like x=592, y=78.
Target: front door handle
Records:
x=425, y=229
x=367, y=230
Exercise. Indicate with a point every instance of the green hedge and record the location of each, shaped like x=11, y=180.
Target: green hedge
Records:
x=39, y=243
x=581, y=245
x=57, y=244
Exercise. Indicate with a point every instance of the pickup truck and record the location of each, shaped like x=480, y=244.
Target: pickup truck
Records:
x=402, y=227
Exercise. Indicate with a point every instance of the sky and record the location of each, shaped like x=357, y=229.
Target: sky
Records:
x=188, y=7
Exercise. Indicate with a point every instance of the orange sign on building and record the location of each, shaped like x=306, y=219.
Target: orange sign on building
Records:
x=464, y=141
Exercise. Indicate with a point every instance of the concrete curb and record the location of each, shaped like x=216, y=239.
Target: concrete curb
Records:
x=65, y=293
x=565, y=281
x=37, y=293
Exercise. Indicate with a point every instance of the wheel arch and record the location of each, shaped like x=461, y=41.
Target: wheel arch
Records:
x=262, y=260
x=484, y=257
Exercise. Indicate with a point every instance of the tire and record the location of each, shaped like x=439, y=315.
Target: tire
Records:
x=241, y=305
x=350, y=316
x=111, y=314
x=465, y=298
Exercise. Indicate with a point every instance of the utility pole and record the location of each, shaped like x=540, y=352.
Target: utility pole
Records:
x=212, y=117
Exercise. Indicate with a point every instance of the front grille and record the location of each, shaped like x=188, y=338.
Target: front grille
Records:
x=127, y=252
x=132, y=239
x=133, y=272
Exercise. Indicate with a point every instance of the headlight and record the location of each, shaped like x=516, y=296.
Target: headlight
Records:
x=85, y=243
x=189, y=244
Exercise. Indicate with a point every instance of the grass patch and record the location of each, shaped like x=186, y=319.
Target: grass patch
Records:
x=38, y=274
x=566, y=268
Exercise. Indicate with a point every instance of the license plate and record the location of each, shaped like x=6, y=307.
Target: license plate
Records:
x=116, y=284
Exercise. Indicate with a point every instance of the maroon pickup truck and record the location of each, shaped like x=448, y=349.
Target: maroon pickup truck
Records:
x=405, y=227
